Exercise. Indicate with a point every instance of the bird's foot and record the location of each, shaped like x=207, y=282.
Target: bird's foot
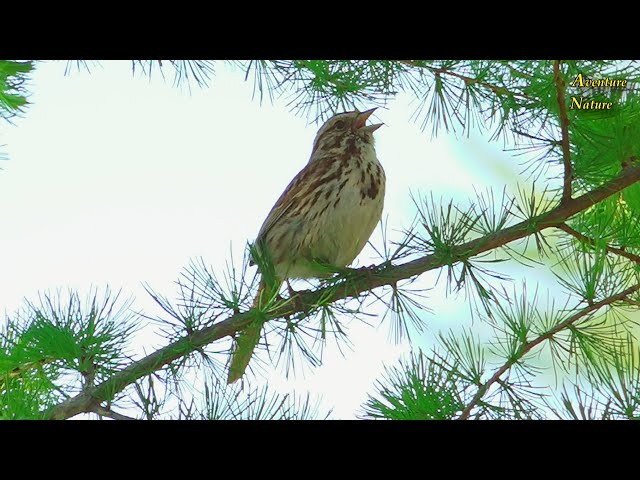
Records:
x=361, y=270
x=294, y=298
x=369, y=272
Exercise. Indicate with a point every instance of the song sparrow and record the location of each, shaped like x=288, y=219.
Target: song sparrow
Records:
x=324, y=216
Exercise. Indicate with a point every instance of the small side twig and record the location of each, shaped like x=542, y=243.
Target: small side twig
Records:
x=540, y=139
x=583, y=238
x=107, y=412
x=632, y=301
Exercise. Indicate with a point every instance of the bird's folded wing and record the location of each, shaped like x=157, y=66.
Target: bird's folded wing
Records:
x=300, y=189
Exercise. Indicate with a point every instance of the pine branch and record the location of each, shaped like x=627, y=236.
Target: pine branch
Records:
x=526, y=347
x=368, y=279
x=467, y=80
x=564, y=126
x=583, y=238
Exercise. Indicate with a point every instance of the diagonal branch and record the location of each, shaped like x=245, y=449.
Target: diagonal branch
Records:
x=526, y=347
x=564, y=127
x=368, y=280
x=583, y=238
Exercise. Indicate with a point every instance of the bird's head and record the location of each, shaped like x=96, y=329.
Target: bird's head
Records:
x=341, y=128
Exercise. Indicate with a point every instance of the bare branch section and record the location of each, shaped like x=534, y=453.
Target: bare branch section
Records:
x=525, y=348
x=367, y=280
x=564, y=127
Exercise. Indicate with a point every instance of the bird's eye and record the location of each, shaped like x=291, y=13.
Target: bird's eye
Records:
x=340, y=124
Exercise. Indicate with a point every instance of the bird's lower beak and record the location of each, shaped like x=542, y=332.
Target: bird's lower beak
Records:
x=361, y=120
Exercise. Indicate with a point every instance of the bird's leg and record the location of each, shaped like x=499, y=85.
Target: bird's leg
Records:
x=294, y=297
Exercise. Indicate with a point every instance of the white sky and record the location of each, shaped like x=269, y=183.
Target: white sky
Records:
x=115, y=180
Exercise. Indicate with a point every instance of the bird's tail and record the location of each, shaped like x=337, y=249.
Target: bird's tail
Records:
x=247, y=340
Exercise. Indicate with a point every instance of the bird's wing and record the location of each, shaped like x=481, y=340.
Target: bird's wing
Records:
x=284, y=204
x=310, y=178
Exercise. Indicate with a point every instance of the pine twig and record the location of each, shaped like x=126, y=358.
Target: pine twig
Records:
x=583, y=238
x=631, y=301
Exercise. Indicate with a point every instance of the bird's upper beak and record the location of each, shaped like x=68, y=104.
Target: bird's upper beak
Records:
x=361, y=119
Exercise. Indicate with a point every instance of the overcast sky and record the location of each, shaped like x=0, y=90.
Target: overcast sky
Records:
x=117, y=180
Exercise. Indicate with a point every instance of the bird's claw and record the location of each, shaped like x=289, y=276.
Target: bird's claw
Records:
x=294, y=298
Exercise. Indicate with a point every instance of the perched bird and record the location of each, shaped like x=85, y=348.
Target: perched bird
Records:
x=324, y=216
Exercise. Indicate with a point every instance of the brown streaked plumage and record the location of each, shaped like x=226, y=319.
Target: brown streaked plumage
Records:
x=326, y=214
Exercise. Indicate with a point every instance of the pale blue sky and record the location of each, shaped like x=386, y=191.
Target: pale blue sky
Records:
x=114, y=180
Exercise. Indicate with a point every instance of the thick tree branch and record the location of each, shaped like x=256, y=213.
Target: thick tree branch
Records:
x=564, y=127
x=526, y=347
x=373, y=278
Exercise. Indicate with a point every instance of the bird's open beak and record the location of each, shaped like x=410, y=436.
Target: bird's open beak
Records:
x=361, y=119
